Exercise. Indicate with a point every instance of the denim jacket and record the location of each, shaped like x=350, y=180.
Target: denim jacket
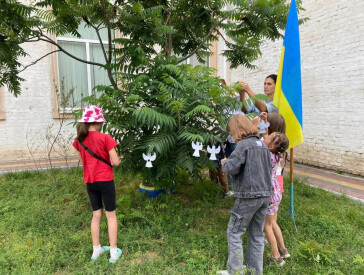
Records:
x=251, y=168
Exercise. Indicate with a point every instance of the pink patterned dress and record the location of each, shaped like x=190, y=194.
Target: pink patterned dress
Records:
x=276, y=198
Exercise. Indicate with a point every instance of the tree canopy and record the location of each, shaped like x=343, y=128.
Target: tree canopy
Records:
x=154, y=102
x=146, y=30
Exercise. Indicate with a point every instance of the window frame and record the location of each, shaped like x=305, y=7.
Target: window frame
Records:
x=87, y=43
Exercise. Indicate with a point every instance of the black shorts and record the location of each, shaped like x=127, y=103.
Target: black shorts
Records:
x=102, y=191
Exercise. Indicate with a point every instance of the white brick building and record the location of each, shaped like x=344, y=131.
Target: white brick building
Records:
x=332, y=57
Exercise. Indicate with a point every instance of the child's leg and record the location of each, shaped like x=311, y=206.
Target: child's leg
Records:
x=237, y=226
x=278, y=233
x=213, y=175
x=247, y=213
x=112, y=225
x=235, y=244
x=95, y=227
x=254, y=256
x=269, y=233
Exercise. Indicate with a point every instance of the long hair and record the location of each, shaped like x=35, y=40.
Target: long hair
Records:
x=82, y=131
x=239, y=127
x=277, y=123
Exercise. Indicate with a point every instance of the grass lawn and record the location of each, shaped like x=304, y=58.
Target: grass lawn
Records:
x=45, y=219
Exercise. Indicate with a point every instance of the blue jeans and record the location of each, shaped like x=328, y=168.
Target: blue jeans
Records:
x=247, y=214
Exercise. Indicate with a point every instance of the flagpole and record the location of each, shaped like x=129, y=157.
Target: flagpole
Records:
x=291, y=193
x=291, y=204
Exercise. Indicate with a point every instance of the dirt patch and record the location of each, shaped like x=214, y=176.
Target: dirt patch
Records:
x=224, y=212
x=150, y=255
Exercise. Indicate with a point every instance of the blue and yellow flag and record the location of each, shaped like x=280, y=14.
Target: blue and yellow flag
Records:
x=288, y=92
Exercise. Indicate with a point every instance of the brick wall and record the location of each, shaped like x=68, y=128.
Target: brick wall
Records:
x=332, y=58
x=29, y=117
x=332, y=54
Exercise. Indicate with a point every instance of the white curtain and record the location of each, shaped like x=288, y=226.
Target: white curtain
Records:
x=72, y=72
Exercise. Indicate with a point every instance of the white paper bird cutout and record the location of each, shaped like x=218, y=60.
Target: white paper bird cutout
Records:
x=197, y=147
x=262, y=125
x=213, y=151
x=149, y=158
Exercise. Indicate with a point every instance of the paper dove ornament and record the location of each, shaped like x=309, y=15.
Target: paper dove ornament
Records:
x=149, y=158
x=213, y=151
x=197, y=147
x=262, y=125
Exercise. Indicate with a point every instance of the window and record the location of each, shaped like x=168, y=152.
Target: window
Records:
x=2, y=112
x=77, y=76
x=193, y=61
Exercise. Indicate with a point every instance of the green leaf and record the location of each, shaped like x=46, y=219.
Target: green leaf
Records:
x=149, y=117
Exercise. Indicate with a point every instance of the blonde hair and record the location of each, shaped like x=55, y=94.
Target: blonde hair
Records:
x=239, y=127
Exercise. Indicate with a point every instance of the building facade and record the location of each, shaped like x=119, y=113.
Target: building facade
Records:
x=332, y=59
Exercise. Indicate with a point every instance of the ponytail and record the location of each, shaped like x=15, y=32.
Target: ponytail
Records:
x=280, y=144
x=82, y=131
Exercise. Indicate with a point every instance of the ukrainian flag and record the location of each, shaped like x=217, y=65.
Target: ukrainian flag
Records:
x=288, y=91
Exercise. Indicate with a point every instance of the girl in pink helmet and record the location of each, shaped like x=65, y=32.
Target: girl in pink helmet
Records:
x=98, y=155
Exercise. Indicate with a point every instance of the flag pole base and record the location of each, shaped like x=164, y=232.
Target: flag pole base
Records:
x=291, y=208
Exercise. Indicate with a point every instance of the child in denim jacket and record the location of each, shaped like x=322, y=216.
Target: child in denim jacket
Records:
x=251, y=170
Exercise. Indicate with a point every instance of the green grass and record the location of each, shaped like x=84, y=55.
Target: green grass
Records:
x=45, y=218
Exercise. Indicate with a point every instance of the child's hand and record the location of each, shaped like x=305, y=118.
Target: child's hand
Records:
x=264, y=116
x=255, y=121
x=224, y=159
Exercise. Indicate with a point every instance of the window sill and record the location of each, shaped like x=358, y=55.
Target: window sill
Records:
x=62, y=115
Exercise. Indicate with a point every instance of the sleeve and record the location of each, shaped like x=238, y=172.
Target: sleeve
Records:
x=252, y=109
x=109, y=143
x=234, y=162
x=271, y=108
x=76, y=145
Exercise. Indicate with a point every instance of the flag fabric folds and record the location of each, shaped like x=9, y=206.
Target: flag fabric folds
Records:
x=288, y=91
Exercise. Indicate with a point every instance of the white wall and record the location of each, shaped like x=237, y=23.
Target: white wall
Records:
x=332, y=54
x=332, y=58
x=30, y=115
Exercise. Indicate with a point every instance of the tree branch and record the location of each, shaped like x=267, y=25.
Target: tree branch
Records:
x=109, y=60
x=169, y=37
x=48, y=40
x=100, y=40
x=34, y=62
x=222, y=36
x=203, y=40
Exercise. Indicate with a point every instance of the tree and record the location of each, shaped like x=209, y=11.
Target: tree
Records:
x=154, y=102
x=181, y=28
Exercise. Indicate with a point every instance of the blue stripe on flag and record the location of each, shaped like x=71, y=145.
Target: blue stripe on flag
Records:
x=291, y=74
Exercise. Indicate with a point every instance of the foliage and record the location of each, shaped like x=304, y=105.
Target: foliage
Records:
x=45, y=223
x=148, y=30
x=162, y=111
x=154, y=103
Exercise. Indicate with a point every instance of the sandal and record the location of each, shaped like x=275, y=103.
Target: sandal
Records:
x=279, y=261
x=106, y=248
x=113, y=261
x=284, y=253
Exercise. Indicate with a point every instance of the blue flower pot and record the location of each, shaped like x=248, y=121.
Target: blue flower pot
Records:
x=151, y=191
